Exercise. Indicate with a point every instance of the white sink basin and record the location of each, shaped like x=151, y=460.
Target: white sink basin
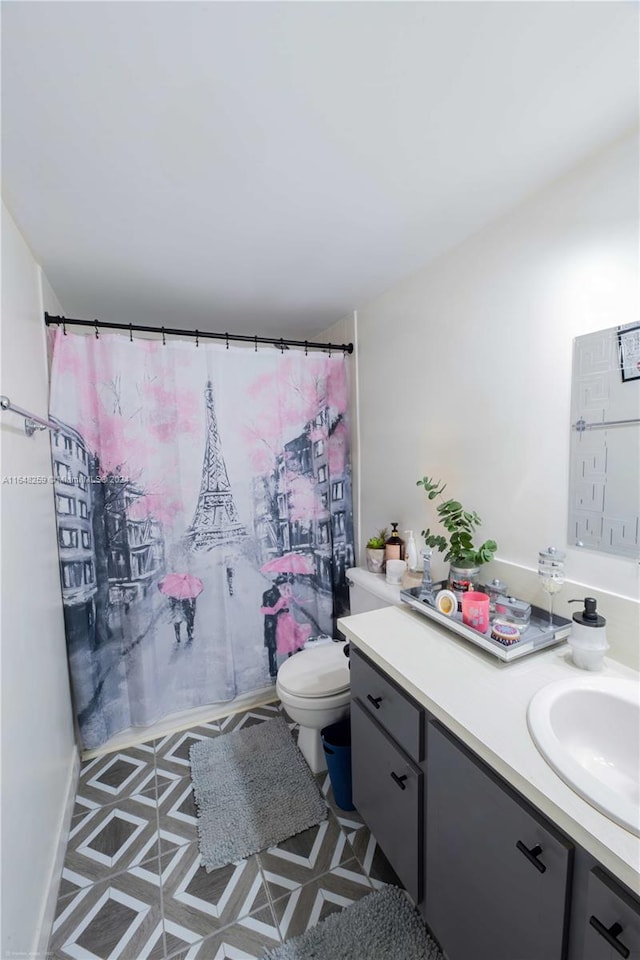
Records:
x=588, y=730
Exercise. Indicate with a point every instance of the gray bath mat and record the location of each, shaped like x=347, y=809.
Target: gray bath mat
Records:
x=381, y=926
x=253, y=789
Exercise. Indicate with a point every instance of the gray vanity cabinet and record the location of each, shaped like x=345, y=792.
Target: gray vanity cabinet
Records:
x=387, y=783
x=611, y=921
x=494, y=878
x=497, y=873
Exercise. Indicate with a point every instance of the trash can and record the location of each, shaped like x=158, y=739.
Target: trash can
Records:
x=336, y=742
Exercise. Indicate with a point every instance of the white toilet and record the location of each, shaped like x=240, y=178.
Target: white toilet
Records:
x=314, y=684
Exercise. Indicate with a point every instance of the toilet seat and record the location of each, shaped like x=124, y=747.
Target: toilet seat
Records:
x=322, y=672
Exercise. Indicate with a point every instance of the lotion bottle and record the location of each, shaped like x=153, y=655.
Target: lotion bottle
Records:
x=394, y=547
x=411, y=551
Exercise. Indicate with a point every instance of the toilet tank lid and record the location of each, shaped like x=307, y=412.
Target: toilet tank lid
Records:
x=374, y=584
x=319, y=672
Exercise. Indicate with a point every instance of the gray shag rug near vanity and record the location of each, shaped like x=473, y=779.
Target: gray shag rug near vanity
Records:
x=381, y=926
x=253, y=789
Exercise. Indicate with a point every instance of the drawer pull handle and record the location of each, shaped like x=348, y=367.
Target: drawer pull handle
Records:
x=610, y=935
x=532, y=855
x=399, y=780
x=376, y=701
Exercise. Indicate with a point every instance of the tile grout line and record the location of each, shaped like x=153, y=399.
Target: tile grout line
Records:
x=268, y=893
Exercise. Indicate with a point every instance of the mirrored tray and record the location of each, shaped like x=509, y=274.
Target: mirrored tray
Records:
x=537, y=636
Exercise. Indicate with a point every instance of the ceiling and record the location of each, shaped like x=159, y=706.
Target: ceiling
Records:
x=268, y=167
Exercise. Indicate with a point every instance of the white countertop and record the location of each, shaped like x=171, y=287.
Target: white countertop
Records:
x=484, y=702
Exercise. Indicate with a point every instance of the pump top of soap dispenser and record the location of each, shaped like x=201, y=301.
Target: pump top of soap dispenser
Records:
x=589, y=616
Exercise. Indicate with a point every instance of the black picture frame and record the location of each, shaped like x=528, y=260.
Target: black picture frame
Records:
x=629, y=352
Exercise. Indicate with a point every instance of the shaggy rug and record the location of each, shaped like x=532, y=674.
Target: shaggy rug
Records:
x=253, y=789
x=381, y=926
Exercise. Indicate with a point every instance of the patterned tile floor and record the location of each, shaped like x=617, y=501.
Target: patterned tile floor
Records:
x=132, y=886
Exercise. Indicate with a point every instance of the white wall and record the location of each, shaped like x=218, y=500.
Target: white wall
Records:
x=344, y=331
x=465, y=375
x=38, y=748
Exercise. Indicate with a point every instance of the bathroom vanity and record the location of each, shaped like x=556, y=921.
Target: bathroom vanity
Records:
x=502, y=858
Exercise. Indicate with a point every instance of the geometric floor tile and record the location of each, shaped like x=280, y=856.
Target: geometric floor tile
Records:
x=132, y=887
x=109, y=840
x=246, y=940
x=166, y=783
x=115, y=776
x=172, y=751
x=177, y=814
x=202, y=902
x=249, y=718
x=71, y=884
x=83, y=807
x=120, y=917
x=172, y=849
x=308, y=854
x=369, y=853
x=303, y=907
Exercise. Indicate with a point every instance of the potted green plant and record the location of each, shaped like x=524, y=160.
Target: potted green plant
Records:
x=465, y=559
x=375, y=551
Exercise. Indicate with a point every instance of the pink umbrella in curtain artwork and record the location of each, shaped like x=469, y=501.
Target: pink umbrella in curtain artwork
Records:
x=296, y=563
x=181, y=586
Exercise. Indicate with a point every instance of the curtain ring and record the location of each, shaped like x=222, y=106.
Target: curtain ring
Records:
x=97, y=334
x=344, y=351
x=281, y=345
x=197, y=339
x=306, y=349
x=330, y=345
x=64, y=327
x=256, y=344
x=164, y=342
x=130, y=333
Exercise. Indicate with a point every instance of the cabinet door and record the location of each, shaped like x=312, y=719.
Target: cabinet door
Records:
x=387, y=792
x=612, y=921
x=497, y=873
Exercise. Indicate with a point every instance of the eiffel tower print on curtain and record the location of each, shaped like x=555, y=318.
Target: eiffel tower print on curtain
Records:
x=216, y=519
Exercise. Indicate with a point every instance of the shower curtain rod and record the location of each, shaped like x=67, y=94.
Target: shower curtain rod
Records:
x=283, y=342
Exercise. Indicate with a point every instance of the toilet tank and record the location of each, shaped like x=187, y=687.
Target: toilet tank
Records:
x=370, y=591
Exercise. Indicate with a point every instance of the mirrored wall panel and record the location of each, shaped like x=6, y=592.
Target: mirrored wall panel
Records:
x=604, y=482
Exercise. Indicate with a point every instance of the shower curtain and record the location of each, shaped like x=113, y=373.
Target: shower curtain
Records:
x=203, y=503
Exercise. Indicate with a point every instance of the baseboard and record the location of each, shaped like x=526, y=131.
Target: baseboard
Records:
x=49, y=909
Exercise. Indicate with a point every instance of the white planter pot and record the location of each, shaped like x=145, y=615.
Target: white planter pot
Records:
x=375, y=560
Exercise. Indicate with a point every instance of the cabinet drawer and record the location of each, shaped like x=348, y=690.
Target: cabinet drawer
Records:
x=393, y=710
x=497, y=872
x=387, y=792
x=612, y=921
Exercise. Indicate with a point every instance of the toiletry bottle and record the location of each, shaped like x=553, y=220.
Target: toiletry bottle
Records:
x=394, y=547
x=588, y=639
x=412, y=551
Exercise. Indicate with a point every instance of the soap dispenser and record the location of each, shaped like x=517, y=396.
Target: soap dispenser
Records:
x=411, y=551
x=394, y=547
x=588, y=639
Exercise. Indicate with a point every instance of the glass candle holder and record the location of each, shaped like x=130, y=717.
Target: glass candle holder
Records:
x=551, y=574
